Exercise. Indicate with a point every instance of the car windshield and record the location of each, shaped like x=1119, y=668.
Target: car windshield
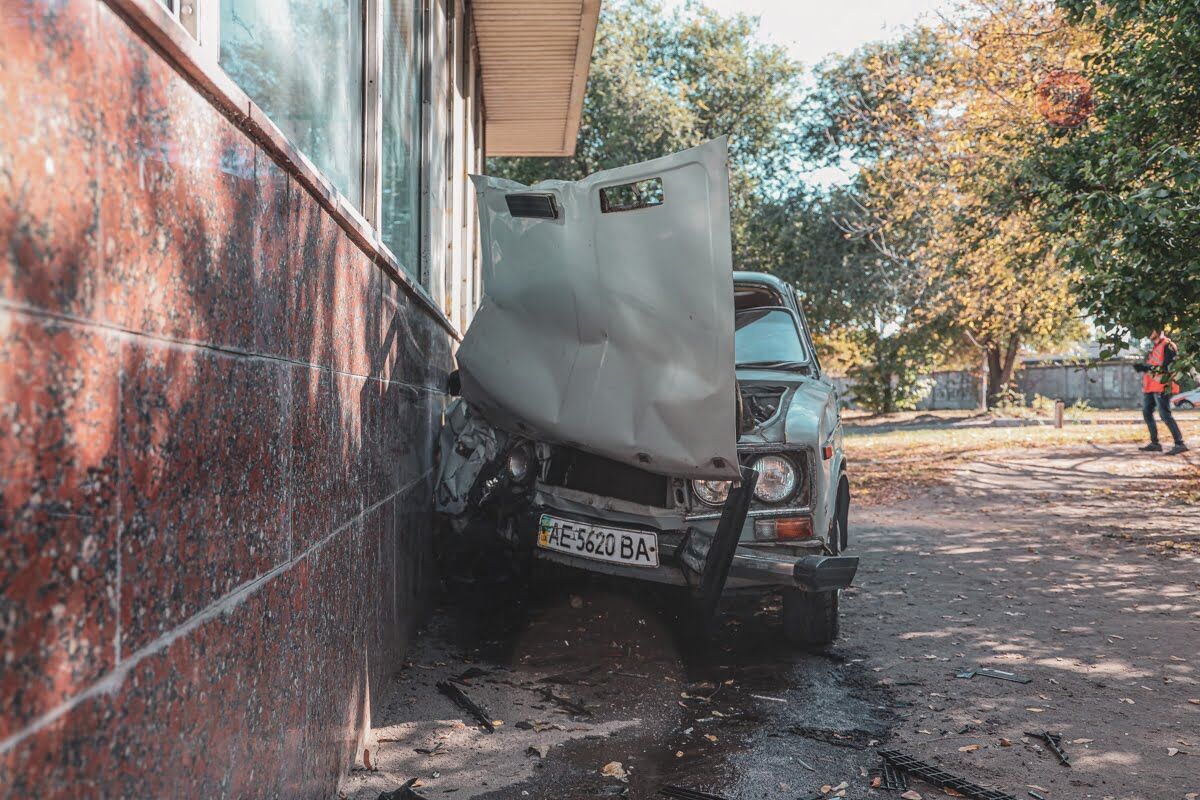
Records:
x=768, y=336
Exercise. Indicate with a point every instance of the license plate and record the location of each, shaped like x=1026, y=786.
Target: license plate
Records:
x=635, y=548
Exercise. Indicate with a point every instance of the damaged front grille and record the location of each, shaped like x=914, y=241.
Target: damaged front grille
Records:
x=574, y=469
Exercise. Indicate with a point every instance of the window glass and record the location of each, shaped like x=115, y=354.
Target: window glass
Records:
x=401, y=114
x=766, y=336
x=301, y=61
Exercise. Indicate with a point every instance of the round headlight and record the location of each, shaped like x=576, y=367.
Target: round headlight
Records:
x=776, y=479
x=712, y=492
x=518, y=464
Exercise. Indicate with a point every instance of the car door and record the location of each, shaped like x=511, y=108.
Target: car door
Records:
x=607, y=314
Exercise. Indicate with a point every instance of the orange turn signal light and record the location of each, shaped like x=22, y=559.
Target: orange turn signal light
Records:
x=787, y=528
x=827, y=452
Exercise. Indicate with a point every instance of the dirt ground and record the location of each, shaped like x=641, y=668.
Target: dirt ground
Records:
x=1073, y=564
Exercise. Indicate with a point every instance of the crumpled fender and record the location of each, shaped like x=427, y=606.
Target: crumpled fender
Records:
x=467, y=445
x=611, y=330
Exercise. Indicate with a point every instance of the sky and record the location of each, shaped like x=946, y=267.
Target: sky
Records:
x=813, y=29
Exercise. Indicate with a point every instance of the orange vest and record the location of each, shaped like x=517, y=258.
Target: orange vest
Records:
x=1150, y=381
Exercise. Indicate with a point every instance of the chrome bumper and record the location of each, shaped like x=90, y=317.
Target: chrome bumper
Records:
x=814, y=573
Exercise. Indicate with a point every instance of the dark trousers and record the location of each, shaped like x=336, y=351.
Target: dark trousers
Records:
x=1163, y=401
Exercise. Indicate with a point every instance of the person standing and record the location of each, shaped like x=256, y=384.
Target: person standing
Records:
x=1157, y=389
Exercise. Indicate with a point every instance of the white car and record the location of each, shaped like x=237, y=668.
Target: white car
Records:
x=1187, y=399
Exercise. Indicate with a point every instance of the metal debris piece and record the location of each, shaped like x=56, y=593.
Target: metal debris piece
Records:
x=988, y=672
x=940, y=778
x=1054, y=744
x=1036, y=796
x=683, y=793
x=405, y=792
x=892, y=778
x=467, y=704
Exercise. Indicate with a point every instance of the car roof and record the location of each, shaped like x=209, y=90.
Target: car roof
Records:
x=764, y=278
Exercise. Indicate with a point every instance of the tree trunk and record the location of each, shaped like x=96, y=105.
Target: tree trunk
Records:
x=1002, y=363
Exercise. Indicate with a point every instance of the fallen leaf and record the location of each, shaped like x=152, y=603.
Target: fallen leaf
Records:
x=827, y=788
x=614, y=769
x=912, y=794
x=1005, y=742
x=840, y=786
x=1036, y=710
x=969, y=748
x=951, y=792
x=876, y=782
x=1128, y=700
x=369, y=764
x=679, y=754
x=710, y=737
x=1174, y=751
x=1194, y=701
x=1082, y=741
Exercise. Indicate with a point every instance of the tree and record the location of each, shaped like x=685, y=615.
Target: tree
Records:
x=1122, y=189
x=662, y=82
x=939, y=124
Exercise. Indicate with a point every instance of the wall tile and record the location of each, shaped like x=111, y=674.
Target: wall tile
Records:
x=413, y=348
x=178, y=201
x=272, y=255
x=48, y=139
x=205, y=450
x=312, y=268
x=58, y=507
x=221, y=712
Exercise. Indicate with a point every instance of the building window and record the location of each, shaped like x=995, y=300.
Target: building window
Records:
x=399, y=163
x=301, y=61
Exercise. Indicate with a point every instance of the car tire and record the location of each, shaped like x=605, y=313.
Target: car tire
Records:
x=810, y=619
x=1187, y=404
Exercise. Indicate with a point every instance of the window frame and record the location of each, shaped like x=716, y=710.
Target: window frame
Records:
x=193, y=45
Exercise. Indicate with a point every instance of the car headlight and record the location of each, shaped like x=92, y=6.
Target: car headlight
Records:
x=776, y=479
x=520, y=460
x=712, y=492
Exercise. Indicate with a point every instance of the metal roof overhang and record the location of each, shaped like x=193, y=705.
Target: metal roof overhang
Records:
x=534, y=57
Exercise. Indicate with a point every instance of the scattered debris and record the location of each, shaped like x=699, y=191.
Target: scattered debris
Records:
x=683, y=793
x=539, y=750
x=772, y=699
x=806, y=765
x=467, y=704
x=437, y=750
x=369, y=764
x=939, y=777
x=855, y=739
x=565, y=702
x=405, y=792
x=614, y=769
x=538, y=726
x=1054, y=744
x=891, y=778
x=471, y=673
x=988, y=672
x=912, y=794
x=1036, y=796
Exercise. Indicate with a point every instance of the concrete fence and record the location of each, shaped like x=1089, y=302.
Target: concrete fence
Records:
x=1101, y=384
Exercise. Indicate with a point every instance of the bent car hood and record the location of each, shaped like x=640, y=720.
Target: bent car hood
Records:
x=608, y=330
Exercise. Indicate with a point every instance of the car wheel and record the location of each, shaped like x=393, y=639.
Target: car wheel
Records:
x=810, y=618
x=1187, y=404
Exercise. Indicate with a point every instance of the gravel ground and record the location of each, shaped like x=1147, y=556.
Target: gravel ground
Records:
x=1073, y=566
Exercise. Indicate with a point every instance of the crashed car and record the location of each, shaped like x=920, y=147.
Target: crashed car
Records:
x=628, y=404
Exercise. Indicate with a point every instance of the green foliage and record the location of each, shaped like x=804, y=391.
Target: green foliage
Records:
x=1124, y=188
x=662, y=82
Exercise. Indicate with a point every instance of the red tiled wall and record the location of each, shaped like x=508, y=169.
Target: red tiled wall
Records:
x=216, y=422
